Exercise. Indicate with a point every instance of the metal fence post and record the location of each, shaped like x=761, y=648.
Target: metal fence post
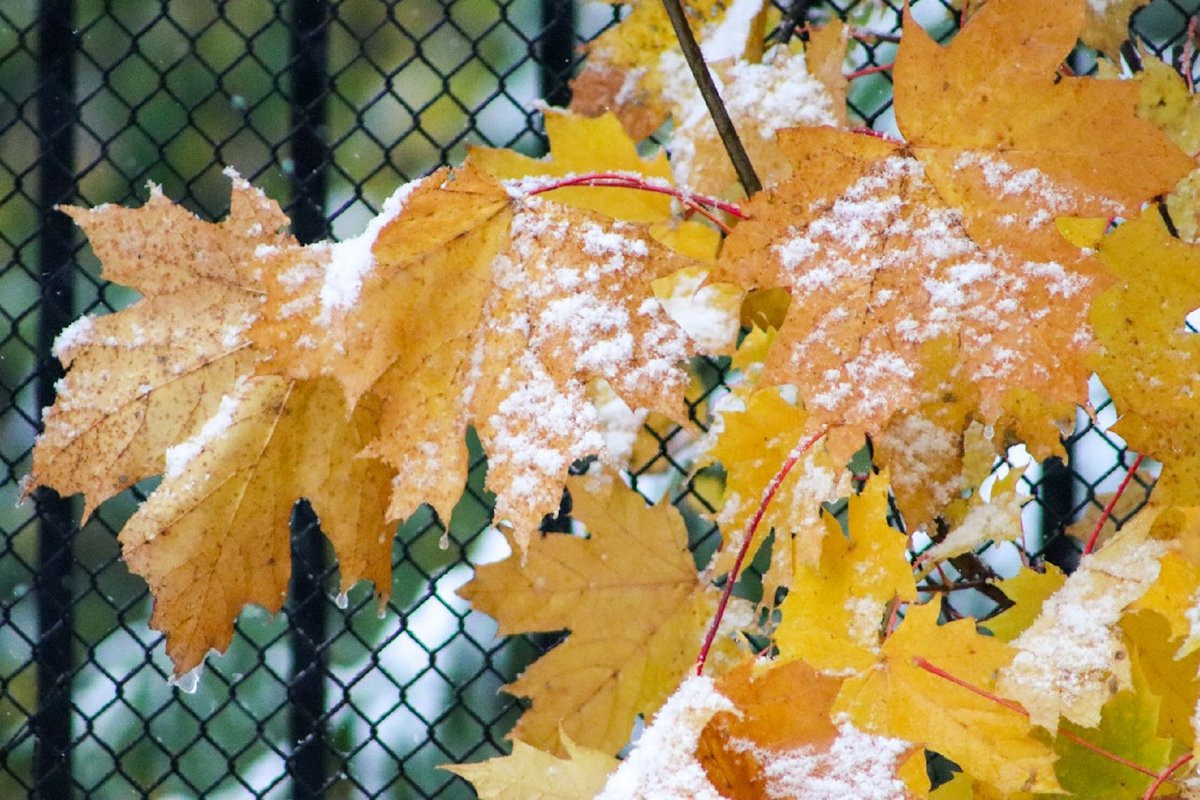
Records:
x=56, y=119
x=307, y=764
x=556, y=50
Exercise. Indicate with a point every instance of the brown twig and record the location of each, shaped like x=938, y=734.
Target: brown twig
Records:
x=712, y=99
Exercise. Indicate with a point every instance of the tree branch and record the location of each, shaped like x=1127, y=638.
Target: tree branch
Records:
x=712, y=99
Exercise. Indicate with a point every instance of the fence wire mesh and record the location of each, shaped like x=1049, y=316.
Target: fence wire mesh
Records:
x=327, y=106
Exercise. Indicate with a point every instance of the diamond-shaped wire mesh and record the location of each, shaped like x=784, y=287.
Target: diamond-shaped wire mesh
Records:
x=327, y=106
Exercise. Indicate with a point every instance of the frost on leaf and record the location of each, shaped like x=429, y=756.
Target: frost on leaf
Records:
x=494, y=310
x=635, y=576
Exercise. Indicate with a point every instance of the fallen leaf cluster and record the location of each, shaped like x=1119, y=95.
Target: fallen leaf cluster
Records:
x=912, y=308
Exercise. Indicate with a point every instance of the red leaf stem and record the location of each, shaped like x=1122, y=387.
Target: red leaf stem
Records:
x=1013, y=706
x=623, y=180
x=1112, y=503
x=859, y=73
x=1162, y=777
x=767, y=496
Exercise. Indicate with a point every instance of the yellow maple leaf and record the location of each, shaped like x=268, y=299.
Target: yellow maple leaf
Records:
x=532, y=774
x=148, y=377
x=579, y=145
x=164, y=387
x=833, y=616
x=214, y=536
x=1146, y=352
x=1071, y=660
x=753, y=444
x=1028, y=590
x=634, y=604
x=897, y=697
x=1176, y=679
x=533, y=300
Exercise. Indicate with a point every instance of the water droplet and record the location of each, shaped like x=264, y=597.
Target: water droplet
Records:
x=288, y=166
x=238, y=102
x=342, y=600
x=989, y=432
x=189, y=681
x=444, y=542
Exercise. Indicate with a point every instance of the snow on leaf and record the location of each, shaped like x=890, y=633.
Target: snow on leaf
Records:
x=532, y=774
x=1071, y=660
x=990, y=742
x=149, y=376
x=1028, y=590
x=496, y=310
x=634, y=604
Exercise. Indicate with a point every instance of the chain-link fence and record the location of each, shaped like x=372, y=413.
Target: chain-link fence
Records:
x=327, y=106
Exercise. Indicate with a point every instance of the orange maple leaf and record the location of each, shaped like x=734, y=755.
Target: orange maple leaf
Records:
x=477, y=307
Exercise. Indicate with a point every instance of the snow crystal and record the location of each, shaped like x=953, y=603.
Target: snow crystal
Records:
x=180, y=455
x=351, y=260
x=857, y=765
x=777, y=93
x=662, y=765
x=74, y=335
x=1006, y=180
x=728, y=38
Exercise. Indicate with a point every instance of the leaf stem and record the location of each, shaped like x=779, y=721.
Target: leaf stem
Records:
x=625, y=180
x=712, y=99
x=868, y=71
x=1112, y=503
x=768, y=495
x=1013, y=706
x=1163, y=776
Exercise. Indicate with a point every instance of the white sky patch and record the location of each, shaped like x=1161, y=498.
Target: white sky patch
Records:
x=663, y=765
x=351, y=260
x=76, y=334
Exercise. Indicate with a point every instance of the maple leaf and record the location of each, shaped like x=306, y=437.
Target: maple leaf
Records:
x=215, y=535
x=753, y=442
x=990, y=742
x=526, y=774
x=1128, y=728
x=534, y=300
x=147, y=377
x=1071, y=659
x=779, y=740
x=634, y=604
x=929, y=273
x=1146, y=353
x=1174, y=678
x=622, y=73
x=834, y=612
